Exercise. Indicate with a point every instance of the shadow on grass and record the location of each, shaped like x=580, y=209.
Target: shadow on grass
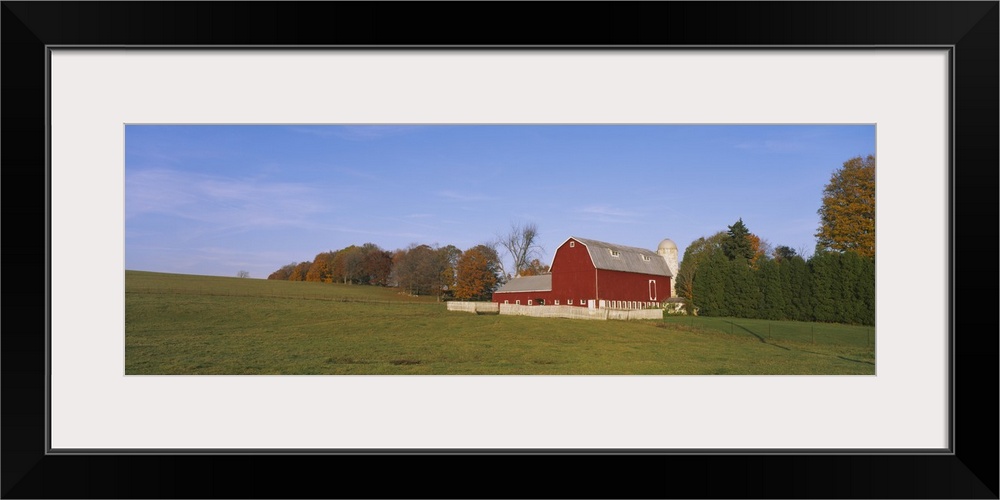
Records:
x=760, y=338
x=840, y=357
x=857, y=360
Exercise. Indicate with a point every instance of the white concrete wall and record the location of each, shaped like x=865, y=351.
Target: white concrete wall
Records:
x=579, y=312
x=635, y=314
x=554, y=311
x=473, y=307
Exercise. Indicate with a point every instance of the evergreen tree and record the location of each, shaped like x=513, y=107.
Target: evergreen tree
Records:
x=694, y=254
x=772, y=293
x=865, y=292
x=742, y=294
x=857, y=289
x=823, y=268
x=796, y=288
x=710, y=285
x=848, y=306
x=737, y=243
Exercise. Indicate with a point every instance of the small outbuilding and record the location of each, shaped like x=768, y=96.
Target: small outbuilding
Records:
x=595, y=274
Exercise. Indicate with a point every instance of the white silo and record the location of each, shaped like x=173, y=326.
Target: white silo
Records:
x=668, y=250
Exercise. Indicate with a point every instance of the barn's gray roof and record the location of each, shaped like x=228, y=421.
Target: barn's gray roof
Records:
x=540, y=283
x=629, y=259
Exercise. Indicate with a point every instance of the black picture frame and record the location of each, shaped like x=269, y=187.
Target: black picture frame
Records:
x=969, y=28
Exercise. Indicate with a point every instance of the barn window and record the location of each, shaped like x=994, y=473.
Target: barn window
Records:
x=557, y=302
x=615, y=253
x=529, y=302
x=506, y=302
x=645, y=258
x=652, y=289
x=569, y=302
x=517, y=302
x=572, y=244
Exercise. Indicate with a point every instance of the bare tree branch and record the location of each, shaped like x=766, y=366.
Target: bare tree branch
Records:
x=520, y=244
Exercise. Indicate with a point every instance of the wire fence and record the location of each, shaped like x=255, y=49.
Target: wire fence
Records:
x=769, y=331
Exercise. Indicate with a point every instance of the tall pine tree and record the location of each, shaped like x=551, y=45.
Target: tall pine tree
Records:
x=742, y=294
x=772, y=296
x=710, y=294
x=697, y=252
x=737, y=243
x=825, y=276
x=797, y=288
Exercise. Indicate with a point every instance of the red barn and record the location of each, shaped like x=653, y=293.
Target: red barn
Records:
x=589, y=273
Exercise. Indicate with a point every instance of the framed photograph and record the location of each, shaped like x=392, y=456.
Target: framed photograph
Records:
x=922, y=76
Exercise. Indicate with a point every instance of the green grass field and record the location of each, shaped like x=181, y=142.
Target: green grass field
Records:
x=200, y=325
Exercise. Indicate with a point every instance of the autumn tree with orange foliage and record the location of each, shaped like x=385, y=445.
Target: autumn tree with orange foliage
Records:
x=847, y=217
x=299, y=272
x=535, y=267
x=376, y=265
x=478, y=273
x=761, y=249
x=284, y=273
x=320, y=270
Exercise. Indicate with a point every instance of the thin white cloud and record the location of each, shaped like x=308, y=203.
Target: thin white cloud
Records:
x=464, y=196
x=219, y=201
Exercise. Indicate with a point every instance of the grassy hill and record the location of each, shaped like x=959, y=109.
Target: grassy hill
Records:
x=182, y=324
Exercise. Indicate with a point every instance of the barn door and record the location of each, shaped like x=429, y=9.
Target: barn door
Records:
x=652, y=290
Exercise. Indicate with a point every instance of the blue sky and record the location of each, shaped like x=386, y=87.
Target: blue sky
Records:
x=217, y=199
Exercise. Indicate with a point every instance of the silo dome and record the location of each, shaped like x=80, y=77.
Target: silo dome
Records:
x=666, y=244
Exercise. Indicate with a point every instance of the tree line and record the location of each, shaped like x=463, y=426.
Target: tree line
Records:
x=419, y=269
x=448, y=272
x=737, y=274
x=836, y=287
